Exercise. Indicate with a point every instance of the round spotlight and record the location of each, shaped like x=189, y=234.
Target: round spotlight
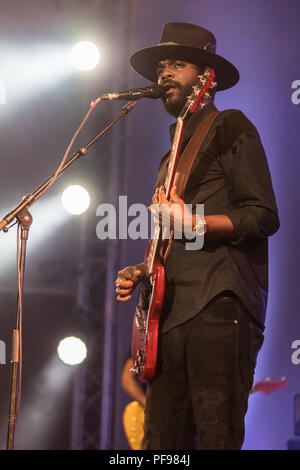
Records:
x=72, y=350
x=85, y=55
x=75, y=199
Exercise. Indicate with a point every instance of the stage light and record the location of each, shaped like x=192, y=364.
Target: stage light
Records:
x=85, y=55
x=72, y=350
x=75, y=199
x=27, y=71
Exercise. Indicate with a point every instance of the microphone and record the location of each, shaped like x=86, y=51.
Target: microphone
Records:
x=153, y=91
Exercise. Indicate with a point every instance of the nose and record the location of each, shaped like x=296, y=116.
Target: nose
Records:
x=165, y=74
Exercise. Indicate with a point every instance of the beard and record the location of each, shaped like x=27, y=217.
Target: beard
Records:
x=175, y=100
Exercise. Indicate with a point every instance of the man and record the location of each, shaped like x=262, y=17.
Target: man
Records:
x=214, y=309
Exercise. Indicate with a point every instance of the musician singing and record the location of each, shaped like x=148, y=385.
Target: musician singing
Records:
x=212, y=323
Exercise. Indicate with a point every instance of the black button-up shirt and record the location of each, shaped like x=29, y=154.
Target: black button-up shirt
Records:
x=230, y=176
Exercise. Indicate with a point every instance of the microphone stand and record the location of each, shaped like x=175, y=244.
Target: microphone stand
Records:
x=24, y=218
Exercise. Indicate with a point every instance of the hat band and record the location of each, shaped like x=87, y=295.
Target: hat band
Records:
x=208, y=46
x=169, y=44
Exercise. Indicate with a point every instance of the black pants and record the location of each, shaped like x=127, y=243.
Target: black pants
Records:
x=204, y=375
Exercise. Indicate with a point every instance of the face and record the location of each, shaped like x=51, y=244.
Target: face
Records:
x=177, y=78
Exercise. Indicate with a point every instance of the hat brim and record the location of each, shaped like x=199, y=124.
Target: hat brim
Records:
x=145, y=62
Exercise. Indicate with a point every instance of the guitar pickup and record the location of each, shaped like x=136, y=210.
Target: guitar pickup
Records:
x=140, y=318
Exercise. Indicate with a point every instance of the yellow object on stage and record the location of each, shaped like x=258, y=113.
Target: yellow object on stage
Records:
x=133, y=422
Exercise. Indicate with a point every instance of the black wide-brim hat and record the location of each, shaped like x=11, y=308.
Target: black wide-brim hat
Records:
x=190, y=43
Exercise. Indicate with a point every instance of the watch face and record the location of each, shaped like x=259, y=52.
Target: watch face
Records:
x=200, y=231
x=201, y=228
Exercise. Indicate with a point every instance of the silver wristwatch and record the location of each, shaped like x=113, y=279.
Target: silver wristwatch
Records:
x=200, y=227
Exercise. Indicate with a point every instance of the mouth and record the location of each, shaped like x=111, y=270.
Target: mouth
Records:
x=169, y=89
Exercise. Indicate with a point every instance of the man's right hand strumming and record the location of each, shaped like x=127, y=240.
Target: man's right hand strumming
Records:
x=127, y=280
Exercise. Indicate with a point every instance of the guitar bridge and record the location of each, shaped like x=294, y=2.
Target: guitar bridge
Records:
x=139, y=363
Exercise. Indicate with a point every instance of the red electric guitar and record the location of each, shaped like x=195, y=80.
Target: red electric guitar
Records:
x=150, y=301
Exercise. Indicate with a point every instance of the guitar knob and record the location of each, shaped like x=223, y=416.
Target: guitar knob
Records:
x=137, y=371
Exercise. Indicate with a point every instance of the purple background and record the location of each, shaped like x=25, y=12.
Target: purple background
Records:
x=262, y=40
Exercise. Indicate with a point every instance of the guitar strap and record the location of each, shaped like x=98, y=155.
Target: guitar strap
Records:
x=184, y=168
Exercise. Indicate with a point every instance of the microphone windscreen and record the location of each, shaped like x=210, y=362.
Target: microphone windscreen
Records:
x=156, y=91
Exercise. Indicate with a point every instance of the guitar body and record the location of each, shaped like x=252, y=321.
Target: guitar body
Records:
x=146, y=321
x=133, y=423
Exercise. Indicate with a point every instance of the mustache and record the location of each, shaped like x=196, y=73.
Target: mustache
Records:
x=171, y=83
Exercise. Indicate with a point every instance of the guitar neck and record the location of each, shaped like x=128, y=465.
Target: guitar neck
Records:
x=175, y=151
x=192, y=104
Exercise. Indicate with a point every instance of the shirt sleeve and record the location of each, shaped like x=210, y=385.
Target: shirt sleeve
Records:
x=243, y=159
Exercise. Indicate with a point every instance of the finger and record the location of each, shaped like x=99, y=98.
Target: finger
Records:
x=125, y=275
x=154, y=208
x=123, y=299
x=155, y=214
x=165, y=216
x=165, y=211
x=124, y=283
x=155, y=199
x=123, y=292
x=162, y=195
x=174, y=196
